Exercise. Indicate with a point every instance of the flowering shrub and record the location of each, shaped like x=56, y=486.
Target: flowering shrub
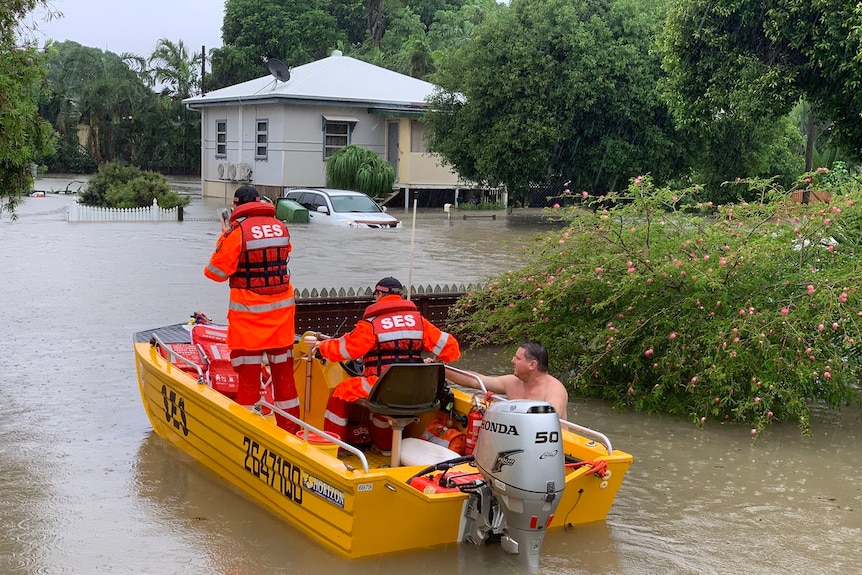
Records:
x=747, y=314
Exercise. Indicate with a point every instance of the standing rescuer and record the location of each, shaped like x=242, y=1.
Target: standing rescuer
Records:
x=253, y=253
x=391, y=331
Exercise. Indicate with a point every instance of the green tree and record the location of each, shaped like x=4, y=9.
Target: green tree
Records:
x=173, y=66
x=102, y=106
x=294, y=31
x=556, y=87
x=24, y=136
x=750, y=62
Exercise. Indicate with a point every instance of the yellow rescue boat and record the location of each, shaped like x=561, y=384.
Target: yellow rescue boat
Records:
x=530, y=472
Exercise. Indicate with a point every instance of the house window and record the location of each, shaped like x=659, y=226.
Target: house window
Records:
x=262, y=139
x=417, y=137
x=336, y=133
x=221, y=138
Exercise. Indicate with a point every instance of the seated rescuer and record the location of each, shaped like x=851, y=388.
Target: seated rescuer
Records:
x=530, y=379
x=391, y=331
x=253, y=252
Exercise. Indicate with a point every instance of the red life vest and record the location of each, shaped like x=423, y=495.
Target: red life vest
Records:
x=399, y=332
x=262, y=266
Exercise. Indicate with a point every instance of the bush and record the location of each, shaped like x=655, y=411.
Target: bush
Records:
x=121, y=186
x=356, y=168
x=748, y=314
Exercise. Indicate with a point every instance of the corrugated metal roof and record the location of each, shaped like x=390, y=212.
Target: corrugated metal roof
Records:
x=337, y=78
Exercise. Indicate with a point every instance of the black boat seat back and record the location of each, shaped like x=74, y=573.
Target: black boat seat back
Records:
x=407, y=389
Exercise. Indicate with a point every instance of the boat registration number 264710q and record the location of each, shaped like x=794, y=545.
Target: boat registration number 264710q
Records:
x=273, y=469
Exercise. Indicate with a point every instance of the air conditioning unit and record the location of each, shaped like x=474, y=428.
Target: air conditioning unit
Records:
x=243, y=172
x=222, y=171
x=231, y=172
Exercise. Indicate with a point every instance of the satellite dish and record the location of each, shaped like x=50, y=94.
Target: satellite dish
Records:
x=278, y=70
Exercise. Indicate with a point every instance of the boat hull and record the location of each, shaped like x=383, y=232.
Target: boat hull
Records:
x=337, y=503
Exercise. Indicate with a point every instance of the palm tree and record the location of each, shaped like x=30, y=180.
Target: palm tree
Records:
x=172, y=66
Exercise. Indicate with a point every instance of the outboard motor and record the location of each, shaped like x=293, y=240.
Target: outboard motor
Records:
x=519, y=452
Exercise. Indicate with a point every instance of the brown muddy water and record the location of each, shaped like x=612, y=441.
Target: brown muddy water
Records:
x=87, y=488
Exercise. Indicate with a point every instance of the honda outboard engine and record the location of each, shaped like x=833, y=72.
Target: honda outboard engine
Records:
x=519, y=452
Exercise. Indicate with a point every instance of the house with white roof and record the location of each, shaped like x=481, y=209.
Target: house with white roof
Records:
x=277, y=131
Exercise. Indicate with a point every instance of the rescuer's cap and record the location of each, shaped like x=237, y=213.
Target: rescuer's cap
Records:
x=245, y=194
x=389, y=286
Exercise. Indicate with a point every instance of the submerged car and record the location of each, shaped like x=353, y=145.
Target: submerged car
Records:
x=341, y=208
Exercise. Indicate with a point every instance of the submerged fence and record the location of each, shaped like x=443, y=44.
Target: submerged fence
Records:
x=81, y=213
x=336, y=311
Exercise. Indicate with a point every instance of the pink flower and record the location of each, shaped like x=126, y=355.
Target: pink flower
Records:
x=631, y=270
x=566, y=235
x=694, y=380
x=785, y=311
x=827, y=375
x=639, y=179
x=820, y=327
x=649, y=352
x=769, y=414
x=810, y=289
x=843, y=297
x=556, y=206
x=756, y=400
x=585, y=193
x=722, y=262
x=753, y=431
x=835, y=325
x=598, y=270
x=822, y=170
x=672, y=335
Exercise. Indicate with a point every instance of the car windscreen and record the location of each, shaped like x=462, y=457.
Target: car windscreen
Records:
x=360, y=204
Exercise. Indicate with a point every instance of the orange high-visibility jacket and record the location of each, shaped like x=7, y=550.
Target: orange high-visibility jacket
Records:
x=377, y=346
x=256, y=320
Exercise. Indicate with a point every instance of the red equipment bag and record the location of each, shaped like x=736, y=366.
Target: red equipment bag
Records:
x=220, y=374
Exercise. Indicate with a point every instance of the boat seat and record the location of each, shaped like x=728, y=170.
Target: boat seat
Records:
x=402, y=393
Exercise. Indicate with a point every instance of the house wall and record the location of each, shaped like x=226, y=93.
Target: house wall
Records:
x=418, y=168
x=295, y=148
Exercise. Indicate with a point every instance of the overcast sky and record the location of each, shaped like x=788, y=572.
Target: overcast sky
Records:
x=133, y=25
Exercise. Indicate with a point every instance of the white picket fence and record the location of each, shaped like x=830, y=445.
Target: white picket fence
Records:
x=81, y=213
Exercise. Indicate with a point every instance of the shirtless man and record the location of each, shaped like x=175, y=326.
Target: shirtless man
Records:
x=530, y=379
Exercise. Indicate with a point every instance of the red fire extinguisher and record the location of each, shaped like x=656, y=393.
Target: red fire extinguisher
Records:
x=474, y=422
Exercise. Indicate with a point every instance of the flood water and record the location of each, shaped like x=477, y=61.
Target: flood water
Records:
x=87, y=488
